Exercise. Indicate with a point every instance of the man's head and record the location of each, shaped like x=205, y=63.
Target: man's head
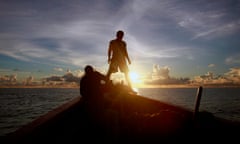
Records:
x=88, y=69
x=119, y=34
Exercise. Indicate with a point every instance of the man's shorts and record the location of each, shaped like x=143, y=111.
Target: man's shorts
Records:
x=115, y=65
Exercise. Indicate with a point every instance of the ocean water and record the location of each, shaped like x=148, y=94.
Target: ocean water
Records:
x=221, y=102
x=19, y=106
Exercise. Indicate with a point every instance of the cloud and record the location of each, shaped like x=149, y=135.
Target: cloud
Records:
x=58, y=69
x=160, y=72
x=67, y=77
x=8, y=79
x=54, y=78
x=231, y=77
x=203, y=19
x=4, y=70
x=77, y=33
x=74, y=37
x=161, y=75
x=235, y=59
x=25, y=50
x=28, y=80
x=211, y=65
x=219, y=31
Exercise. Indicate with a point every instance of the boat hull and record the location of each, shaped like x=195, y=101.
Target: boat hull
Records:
x=126, y=118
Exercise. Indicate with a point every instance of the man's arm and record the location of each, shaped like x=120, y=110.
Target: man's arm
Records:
x=109, y=52
x=129, y=61
x=126, y=54
x=101, y=76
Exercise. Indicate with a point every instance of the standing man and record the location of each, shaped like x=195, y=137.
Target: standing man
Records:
x=117, y=56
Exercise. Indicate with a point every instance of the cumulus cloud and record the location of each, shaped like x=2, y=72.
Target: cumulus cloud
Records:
x=28, y=80
x=208, y=77
x=161, y=75
x=8, y=79
x=160, y=72
x=67, y=77
x=232, y=77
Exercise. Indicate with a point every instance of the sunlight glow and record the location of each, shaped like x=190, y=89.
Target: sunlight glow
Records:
x=134, y=78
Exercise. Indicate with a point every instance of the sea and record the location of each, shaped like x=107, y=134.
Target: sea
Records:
x=20, y=106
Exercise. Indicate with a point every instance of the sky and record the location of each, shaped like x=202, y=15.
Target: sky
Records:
x=167, y=40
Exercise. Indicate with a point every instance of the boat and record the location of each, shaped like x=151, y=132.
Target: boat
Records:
x=126, y=118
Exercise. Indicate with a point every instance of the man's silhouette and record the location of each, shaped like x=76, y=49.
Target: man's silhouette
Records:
x=92, y=86
x=117, y=56
x=92, y=83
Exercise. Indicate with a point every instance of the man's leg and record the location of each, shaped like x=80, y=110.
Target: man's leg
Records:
x=129, y=83
x=112, y=68
x=128, y=80
x=108, y=74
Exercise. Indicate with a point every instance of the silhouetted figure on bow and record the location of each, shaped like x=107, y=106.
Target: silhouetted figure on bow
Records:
x=117, y=56
x=92, y=83
x=92, y=86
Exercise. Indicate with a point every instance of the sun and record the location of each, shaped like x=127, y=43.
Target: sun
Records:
x=134, y=77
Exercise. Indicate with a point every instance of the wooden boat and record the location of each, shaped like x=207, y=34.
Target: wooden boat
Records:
x=126, y=118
